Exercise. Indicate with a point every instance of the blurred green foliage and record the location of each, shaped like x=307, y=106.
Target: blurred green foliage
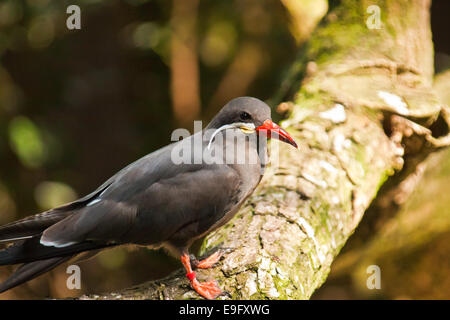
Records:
x=26, y=141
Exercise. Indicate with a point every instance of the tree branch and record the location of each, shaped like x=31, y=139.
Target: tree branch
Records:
x=360, y=85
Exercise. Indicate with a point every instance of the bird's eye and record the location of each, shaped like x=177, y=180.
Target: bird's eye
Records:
x=245, y=116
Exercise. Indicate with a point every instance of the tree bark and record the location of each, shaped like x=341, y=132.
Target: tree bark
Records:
x=409, y=242
x=365, y=114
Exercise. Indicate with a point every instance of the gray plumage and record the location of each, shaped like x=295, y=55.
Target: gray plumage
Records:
x=151, y=202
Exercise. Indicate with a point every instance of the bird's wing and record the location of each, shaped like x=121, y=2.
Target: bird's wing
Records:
x=148, y=201
x=184, y=206
x=177, y=206
x=34, y=225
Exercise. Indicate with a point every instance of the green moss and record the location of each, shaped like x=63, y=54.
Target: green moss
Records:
x=343, y=32
x=384, y=176
x=334, y=41
x=360, y=156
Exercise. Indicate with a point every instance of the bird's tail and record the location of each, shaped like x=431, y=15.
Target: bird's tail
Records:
x=38, y=259
x=30, y=271
x=31, y=250
x=26, y=248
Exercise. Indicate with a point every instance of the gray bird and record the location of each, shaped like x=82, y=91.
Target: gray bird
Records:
x=168, y=199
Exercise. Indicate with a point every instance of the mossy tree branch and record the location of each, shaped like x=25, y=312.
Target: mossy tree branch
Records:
x=406, y=236
x=365, y=108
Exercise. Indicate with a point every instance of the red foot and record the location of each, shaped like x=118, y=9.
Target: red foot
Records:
x=210, y=290
x=210, y=261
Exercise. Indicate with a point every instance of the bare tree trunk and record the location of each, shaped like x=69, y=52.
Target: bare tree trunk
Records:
x=365, y=111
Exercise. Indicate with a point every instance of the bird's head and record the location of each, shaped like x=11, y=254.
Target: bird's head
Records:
x=251, y=115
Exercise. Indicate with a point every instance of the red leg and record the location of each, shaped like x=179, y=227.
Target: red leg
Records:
x=209, y=289
x=210, y=261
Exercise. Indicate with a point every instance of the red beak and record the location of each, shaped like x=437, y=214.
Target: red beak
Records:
x=275, y=131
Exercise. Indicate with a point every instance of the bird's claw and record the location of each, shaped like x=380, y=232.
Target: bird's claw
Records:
x=208, y=262
x=209, y=289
